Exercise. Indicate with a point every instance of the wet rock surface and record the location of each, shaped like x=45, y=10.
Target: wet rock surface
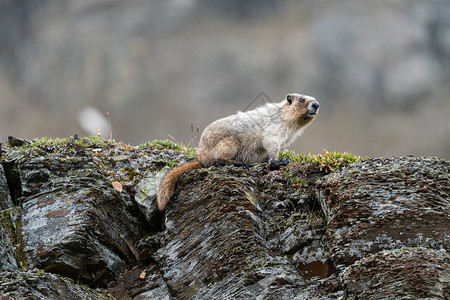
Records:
x=87, y=212
x=404, y=273
x=74, y=222
x=36, y=284
x=215, y=235
x=397, y=205
x=8, y=236
x=5, y=196
x=383, y=204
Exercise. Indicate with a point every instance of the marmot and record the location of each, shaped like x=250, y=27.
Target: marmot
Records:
x=246, y=138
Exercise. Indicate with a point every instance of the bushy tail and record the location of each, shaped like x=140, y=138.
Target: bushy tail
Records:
x=167, y=186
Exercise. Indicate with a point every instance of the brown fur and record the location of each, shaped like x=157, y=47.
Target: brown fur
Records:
x=167, y=187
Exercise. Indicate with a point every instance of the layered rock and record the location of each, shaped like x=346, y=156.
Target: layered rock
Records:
x=379, y=228
x=388, y=227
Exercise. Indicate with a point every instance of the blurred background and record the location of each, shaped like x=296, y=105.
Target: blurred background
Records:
x=380, y=69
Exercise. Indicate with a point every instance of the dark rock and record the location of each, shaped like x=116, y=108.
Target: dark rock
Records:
x=74, y=222
x=12, y=174
x=36, y=284
x=295, y=237
x=383, y=204
x=8, y=232
x=215, y=241
x=5, y=197
x=140, y=283
x=17, y=142
x=78, y=234
x=88, y=213
x=147, y=247
x=405, y=273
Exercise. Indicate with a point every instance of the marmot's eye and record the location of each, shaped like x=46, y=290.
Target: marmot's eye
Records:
x=301, y=100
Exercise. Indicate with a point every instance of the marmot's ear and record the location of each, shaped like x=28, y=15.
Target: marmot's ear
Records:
x=289, y=99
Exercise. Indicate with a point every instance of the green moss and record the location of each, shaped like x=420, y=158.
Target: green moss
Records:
x=327, y=161
x=66, y=145
x=295, y=218
x=13, y=228
x=130, y=172
x=167, y=144
x=161, y=144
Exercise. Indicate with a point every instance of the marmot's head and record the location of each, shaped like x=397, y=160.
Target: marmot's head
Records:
x=300, y=109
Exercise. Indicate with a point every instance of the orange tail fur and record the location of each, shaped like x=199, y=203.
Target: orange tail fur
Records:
x=167, y=186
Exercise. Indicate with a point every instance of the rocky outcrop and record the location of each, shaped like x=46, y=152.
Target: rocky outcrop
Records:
x=385, y=204
x=404, y=273
x=84, y=225
x=388, y=227
x=234, y=261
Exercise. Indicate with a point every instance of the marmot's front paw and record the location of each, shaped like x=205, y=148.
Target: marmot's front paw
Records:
x=240, y=164
x=276, y=164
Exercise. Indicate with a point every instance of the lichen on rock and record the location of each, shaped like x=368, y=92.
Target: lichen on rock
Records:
x=383, y=204
x=404, y=273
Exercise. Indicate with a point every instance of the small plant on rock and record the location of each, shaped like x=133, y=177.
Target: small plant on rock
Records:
x=327, y=161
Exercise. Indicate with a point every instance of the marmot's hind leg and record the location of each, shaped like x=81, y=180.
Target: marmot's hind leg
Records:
x=226, y=150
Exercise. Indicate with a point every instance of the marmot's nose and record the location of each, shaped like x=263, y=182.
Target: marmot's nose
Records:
x=314, y=105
